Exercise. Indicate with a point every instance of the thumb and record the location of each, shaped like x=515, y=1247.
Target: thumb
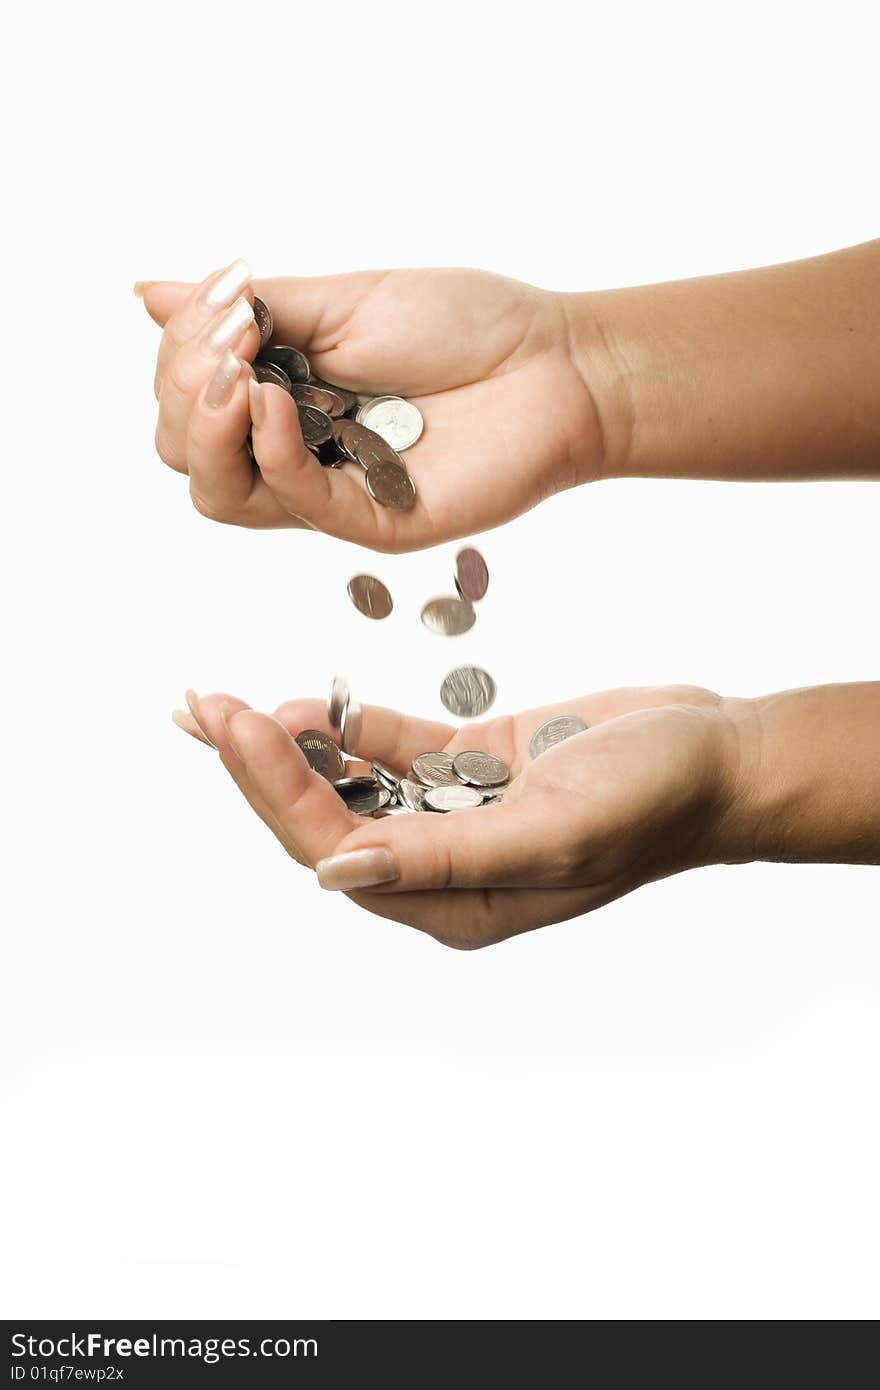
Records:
x=504, y=846
x=162, y=298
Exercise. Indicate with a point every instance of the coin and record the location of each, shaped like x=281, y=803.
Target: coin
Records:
x=370, y=448
x=448, y=616
x=269, y=373
x=433, y=769
x=370, y=596
x=321, y=753
x=289, y=359
x=339, y=698
x=468, y=691
x=352, y=720
x=555, y=731
x=471, y=574
x=480, y=769
x=348, y=398
x=316, y=426
x=328, y=454
x=386, y=775
x=390, y=485
x=363, y=800
x=263, y=318
x=307, y=394
x=412, y=794
x=452, y=798
x=399, y=422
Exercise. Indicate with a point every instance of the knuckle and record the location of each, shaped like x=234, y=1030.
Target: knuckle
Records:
x=168, y=449
x=208, y=509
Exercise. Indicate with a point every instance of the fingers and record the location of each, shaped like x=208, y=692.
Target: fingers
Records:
x=185, y=310
x=311, y=312
x=385, y=734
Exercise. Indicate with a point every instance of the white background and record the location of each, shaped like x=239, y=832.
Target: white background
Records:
x=224, y=1092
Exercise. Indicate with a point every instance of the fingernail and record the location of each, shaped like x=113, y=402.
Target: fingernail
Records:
x=181, y=720
x=222, y=384
x=195, y=709
x=224, y=720
x=223, y=288
x=229, y=329
x=258, y=402
x=360, y=868
x=141, y=287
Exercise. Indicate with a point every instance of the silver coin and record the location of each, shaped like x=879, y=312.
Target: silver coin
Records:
x=316, y=425
x=328, y=454
x=390, y=485
x=412, y=795
x=386, y=775
x=493, y=800
x=392, y=810
x=433, y=770
x=340, y=695
x=555, y=731
x=480, y=769
x=371, y=448
x=449, y=616
x=321, y=753
x=307, y=394
x=452, y=798
x=385, y=798
x=269, y=373
x=370, y=596
x=291, y=361
x=263, y=319
x=468, y=692
x=471, y=574
x=348, y=398
x=365, y=802
x=399, y=422
x=344, y=785
x=352, y=722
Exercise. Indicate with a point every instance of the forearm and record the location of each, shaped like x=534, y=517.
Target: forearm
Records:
x=807, y=781
x=763, y=374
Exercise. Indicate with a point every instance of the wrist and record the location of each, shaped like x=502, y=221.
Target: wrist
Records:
x=602, y=370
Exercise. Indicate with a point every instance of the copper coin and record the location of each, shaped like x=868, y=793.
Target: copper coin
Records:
x=370, y=596
x=269, y=373
x=348, y=398
x=390, y=485
x=307, y=394
x=471, y=574
x=289, y=359
x=263, y=319
x=316, y=426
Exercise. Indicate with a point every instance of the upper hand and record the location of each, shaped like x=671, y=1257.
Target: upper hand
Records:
x=508, y=417
x=652, y=787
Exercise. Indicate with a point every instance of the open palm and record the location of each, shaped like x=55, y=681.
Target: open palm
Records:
x=508, y=418
x=646, y=791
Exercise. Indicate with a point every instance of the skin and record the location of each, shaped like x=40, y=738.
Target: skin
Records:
x=766, y=373
x=663, y=780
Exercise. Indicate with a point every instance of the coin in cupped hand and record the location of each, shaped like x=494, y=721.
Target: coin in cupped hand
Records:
x=450, y=798
x=263, y=320
x=480, y=769
x=555, y=731
x=270, y=374
x=390, y=485
x=291, y=361
x=399, y=422
x=433, y=769
x=321, y=753
x=316, y=425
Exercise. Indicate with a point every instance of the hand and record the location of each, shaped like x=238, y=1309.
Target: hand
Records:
x=508, y=418
x=652, y=787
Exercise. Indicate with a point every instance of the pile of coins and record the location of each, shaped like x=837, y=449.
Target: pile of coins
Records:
x=333, y=420
x=438, y=782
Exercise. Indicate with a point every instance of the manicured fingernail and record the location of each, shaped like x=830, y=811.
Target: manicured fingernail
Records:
x=223, y=288
x=195, y=709
x=222, y=384
x=224, y=720
x=360, y=868
x=181, y=719
x=141, y=287
x=258, y=402
x=227, y=331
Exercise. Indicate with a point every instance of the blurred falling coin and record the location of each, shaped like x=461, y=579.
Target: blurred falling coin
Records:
x=390, y=485
x=263, y=319
x=340, y=695
x=468, y=692
x=448, y=616
x=399, y=422
x=370, y=596
x=352, y=721
x=555, y=731
x=321, y=753
x=471, y=574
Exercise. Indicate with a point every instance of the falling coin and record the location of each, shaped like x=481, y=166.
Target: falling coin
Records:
x=480, y=769
x=321, y=753
x=352, y=720
x=555, y=731
x=449, y=616
x=399, y=422
x=452, y=798
x=263, y=319
x=339, y=698
x=471, y=574
x=370, y=596
x=468, y=692
x=390, y=485
x=433, y=769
